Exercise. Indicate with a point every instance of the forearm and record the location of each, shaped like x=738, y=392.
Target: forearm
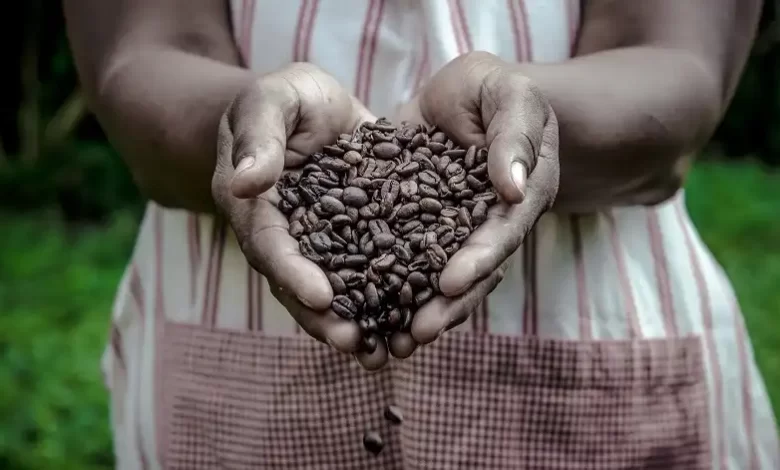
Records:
x=628, y=119
x=161, y=108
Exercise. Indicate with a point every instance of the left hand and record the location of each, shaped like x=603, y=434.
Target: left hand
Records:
x=478, y=99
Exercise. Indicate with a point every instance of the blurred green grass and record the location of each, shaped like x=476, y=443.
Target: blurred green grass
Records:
x=57, y=284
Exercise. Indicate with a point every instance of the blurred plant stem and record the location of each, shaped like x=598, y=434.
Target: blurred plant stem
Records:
x=29, y=110
x=40, y=136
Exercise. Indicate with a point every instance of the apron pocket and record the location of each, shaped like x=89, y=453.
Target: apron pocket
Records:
x=233, y=400
x=495, y=402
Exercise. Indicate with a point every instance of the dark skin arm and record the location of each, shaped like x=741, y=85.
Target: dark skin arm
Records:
x=650, y=83
x=159, y=74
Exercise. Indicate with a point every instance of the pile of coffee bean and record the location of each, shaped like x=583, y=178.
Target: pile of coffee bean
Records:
x=382, y=211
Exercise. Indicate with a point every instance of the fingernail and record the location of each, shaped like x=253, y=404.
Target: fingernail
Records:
x=245, y=163
x=519, y=175
x=305, y=302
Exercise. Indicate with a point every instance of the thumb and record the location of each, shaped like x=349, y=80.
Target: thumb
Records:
x=511, y=157
x=258, y=122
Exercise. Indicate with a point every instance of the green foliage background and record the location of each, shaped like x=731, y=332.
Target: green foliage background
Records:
x=69, y=212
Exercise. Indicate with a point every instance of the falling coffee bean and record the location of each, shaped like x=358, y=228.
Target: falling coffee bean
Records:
x=394, y=414
x=373, y=442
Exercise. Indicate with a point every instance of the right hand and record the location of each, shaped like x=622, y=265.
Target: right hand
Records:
x=276, y=123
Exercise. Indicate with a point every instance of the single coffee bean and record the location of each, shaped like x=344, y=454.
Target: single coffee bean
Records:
x=369, y=344
x=383, y=263
x=417, y=279
x=296, y=229
x=402, y=253
x=371, y=295
x=406, y=296
x=373, y=442
x=353, y=157
x=384, y=240
x=320, y=242
x=423, y=296
x=437, y=257
x=344, y=307
x=386, y=150
x=355, y=197
x=357, y=297
x=393, y=282
x=434, y=281
x=355, y=260
x=430, y=205
x=394, y=414
x=340, y=220
x=409, y=210
x=333, y=150
x=339, y=287
x=479, y=213
x=331, y=205
x=462, y=233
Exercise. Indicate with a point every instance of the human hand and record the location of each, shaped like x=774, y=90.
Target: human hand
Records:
x=274, y=124
x=478, y=99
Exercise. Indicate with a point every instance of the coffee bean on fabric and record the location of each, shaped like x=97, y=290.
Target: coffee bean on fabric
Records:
x=381, y=212
x=373, y=442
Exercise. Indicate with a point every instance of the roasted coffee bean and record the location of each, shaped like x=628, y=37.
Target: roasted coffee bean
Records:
x=433, y=279
x=469, y=159
x=462, y=233
x=447, y=238
x=371, y=295
x=296, y=229
x=339, y=287
x=331, y=205
x=333, y=150
x=393, y=282
x=383, y=263
x=479, y=213
x=355, y=197
x=373, y=442
x=402, y=253
x=355, y=260
x=455, y=153
x=430, y=205
x=369, y=344
x=429, y=177
x=386, y=150
x=452, y=248
x=344, y=307
x=340, y=220
x=353, y=157
x=381, y=211
x=409, y=210
x=464, y=218
x=423, y=296
x=320, y=242
x=408, y=168
x=417, y=279
x=406, y=296
x=394, y=414
x=437, y=257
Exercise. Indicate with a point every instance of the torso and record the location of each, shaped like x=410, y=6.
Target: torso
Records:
x=615, y=299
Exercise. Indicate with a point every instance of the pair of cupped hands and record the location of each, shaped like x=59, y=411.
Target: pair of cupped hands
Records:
x=476, y=99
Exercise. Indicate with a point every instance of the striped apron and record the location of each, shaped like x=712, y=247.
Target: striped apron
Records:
x=614, y=341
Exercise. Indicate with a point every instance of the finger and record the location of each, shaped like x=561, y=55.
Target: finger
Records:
x=519, y=131
x=375, y=359
x=327, y=327
x=259, y=121
x=268, y=246
x=401, y=345
x=442, y=313
x=507, y=225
